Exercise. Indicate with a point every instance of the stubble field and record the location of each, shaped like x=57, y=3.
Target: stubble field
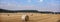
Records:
x=33, y=17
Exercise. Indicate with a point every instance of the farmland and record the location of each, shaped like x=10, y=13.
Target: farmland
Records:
x=33, y=17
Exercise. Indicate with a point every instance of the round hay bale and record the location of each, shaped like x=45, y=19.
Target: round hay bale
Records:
x=25, y=18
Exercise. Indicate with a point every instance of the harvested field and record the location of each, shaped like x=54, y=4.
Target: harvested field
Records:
x=33, y=17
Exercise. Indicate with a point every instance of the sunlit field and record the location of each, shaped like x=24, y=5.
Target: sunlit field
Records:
x=33, y=17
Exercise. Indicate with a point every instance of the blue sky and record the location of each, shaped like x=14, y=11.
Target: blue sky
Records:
x=40, y=5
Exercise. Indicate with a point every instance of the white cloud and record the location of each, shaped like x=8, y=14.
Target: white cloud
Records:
x=41, y=0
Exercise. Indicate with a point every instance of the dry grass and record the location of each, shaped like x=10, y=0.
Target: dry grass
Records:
x=37, y=17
